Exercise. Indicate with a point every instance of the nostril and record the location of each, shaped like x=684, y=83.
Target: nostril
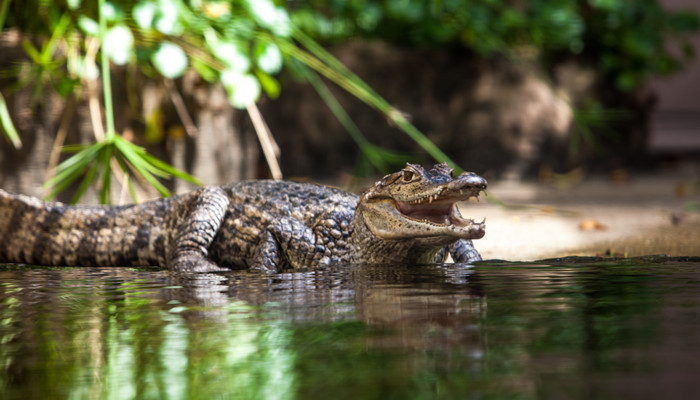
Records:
x=476, y=182
x=470, y=181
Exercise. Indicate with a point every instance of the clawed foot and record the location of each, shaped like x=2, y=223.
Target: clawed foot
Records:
x=463, y=251
x=195, y=265
x=265, y=269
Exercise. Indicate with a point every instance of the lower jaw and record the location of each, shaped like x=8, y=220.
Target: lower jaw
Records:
x=440, y=238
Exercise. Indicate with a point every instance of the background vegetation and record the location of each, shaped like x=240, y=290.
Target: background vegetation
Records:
x=244, y=44
x=630, y=40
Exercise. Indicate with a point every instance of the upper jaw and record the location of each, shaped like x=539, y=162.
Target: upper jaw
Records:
x=461, y=188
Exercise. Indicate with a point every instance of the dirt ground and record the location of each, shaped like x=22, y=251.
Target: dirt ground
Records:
x=621, y=215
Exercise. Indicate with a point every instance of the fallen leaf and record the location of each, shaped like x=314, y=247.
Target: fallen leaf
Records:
x=590, y=225
x=619, y=176
x=681, y=190
x=548, y=209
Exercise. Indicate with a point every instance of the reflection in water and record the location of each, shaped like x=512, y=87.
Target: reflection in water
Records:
x=552, y=331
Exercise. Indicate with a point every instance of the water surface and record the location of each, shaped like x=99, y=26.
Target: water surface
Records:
x=557, y=329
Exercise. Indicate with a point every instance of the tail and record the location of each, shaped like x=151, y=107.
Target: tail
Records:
x=45, y=233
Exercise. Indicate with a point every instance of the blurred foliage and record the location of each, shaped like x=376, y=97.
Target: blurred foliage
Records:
x=628, y=39
x=244, y=44
x=240, y=44
x=223, y=41
x=628, y=42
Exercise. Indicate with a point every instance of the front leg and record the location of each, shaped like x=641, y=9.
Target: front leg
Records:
x=463, y=251
x=288, y=243
x=194, y=233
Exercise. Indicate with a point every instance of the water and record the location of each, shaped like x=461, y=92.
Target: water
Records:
x=570, y=329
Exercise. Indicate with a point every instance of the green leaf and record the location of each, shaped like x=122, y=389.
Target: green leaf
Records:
x=74, y=166
x=49, y=48
x=208, y=73
x=268, y=57
x=88, y=25
x=144, y=13
x=7, y=126
x=65, y=86
x=73, y=4
x=229, y=53
x=243, y=89
x=170, y=60
x=270, y=85
x=138, y=154
x=84, y=185
x=31, y=51
x=105, y=160
x=111, y=12
x=138, y=166
x=106, y=76
x=169, y=169
x=370, y=17
x=66, y=177
x=119, y=44
x=168, y=18
x=132, y=156
x=270, y=16
x=127, y=177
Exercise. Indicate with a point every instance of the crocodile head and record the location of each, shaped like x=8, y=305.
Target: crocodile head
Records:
x=422, y=205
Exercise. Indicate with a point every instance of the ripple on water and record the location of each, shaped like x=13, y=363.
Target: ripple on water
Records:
x=560, y=328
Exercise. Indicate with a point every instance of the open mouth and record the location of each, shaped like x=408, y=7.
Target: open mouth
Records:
x=440, y=212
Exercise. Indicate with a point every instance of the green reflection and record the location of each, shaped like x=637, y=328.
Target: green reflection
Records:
x=495, y=331
x=577, y=331
x=119, y=343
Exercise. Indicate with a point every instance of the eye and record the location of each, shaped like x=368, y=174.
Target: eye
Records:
x=408, y=176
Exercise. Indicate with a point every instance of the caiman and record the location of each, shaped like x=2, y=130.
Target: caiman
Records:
x=407, y=217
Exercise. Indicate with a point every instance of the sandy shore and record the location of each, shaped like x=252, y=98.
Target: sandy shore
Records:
x=625, y=216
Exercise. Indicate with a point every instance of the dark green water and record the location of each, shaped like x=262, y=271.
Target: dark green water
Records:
x=571, y=330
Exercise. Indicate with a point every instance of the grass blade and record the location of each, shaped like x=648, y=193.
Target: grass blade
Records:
x=324, y=63
x=339, y=112
x=127, y=176
x=105, y=159
x=133, y=158
x=7, y=126
x=169, y=169
x=87, y=180
x=77, y=162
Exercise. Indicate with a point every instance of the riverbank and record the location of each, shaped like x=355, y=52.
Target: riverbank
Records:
x=622, y=215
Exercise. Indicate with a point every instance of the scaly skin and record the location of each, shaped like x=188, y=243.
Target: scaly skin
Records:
x=407, y=217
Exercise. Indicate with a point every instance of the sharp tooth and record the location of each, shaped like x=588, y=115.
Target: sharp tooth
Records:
x=430, y=200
